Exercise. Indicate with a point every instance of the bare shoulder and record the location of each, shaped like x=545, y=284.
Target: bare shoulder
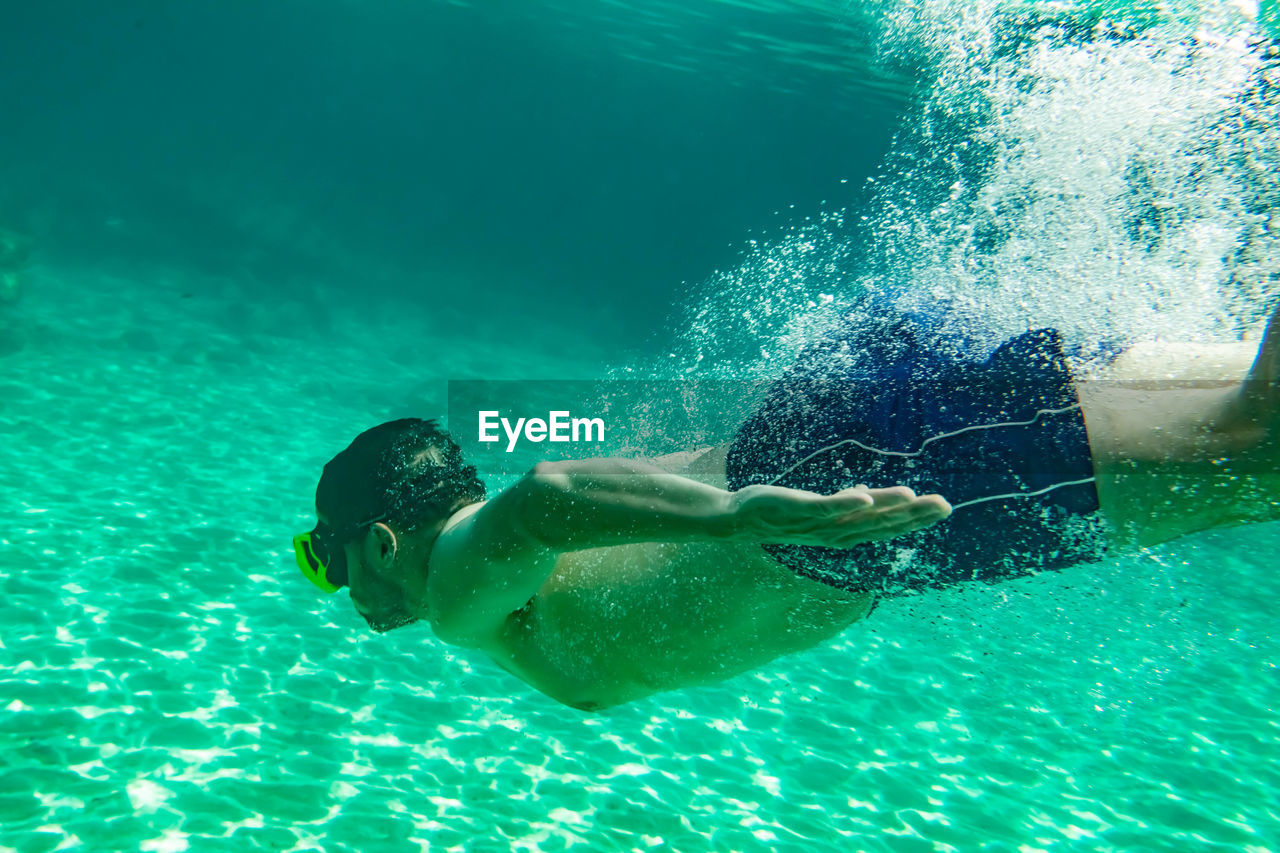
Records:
x=475, y=569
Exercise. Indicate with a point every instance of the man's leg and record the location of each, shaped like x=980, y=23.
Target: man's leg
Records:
x=1185, y=438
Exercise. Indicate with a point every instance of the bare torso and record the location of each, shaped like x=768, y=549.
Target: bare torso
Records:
x=615, y=624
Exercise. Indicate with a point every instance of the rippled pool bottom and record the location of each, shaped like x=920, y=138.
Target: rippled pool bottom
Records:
x=170, y=684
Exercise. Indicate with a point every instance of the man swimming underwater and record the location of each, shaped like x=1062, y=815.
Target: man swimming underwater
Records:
x=602, y=581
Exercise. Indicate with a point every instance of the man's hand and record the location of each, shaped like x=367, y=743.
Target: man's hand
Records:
x=779, y=515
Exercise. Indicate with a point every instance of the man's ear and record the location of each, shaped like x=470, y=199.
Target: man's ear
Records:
x=380, y=545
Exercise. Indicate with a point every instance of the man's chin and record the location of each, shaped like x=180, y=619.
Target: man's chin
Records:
x=384, y=627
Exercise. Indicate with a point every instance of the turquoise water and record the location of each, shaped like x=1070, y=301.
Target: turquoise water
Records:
x=197, y=334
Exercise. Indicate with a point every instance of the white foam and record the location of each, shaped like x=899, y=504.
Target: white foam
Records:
x=1116, y=186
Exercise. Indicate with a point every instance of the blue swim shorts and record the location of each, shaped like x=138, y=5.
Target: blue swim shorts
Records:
x=889, y=381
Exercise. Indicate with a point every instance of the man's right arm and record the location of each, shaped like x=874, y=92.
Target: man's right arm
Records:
x=496, y=558
x=493, y=561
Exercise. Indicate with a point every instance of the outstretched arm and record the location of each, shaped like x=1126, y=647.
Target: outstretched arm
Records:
x=494, y=560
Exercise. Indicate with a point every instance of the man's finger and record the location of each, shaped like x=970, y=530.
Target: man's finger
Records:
x=893, y=495
x=929, y=508
x=883, y=498
x=884, y=522
x=851, y=499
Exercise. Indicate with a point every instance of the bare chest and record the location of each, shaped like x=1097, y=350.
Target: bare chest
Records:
x=627, y=621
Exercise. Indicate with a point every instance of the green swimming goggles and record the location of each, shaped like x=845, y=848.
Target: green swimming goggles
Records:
x=322, y=557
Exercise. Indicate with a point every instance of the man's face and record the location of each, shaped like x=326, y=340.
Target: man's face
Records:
x=376, y=585
x=372, y=584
